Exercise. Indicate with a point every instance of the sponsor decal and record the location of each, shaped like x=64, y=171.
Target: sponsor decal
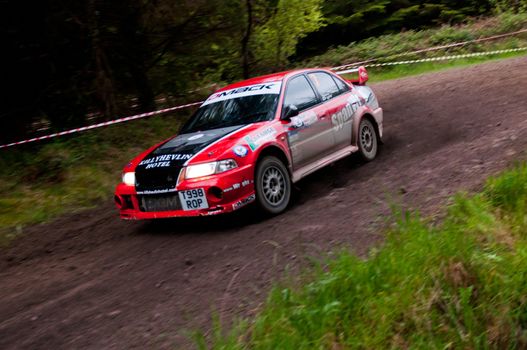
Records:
x=304, y=120
x=256, y=139
x=367, y=93
x=213, y=212
x=237, y=186
x=157, y=191
x=233, y=187
x=297, y=122
x=195, y=137
x=163, y=160
x=251, y=90
x=346, y=114
x=244, y=202
x=240, y=151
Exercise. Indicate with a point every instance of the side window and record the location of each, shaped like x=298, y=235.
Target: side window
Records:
x=342, y=86
x=300, y=93
x=325, y=85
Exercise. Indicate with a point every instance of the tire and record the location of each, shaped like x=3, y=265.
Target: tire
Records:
x=273, y=185
x=367, y=140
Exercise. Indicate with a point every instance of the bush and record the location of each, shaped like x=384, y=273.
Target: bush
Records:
x=391, y=44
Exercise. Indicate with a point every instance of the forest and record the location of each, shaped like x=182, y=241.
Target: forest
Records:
x=70, y=63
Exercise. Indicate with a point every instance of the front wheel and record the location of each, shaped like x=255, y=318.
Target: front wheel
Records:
x=273, y=185
x=368, y=144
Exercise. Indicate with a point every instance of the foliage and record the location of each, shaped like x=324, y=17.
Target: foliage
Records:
x=388, y=45
x=353, y=20
x=276, y=40
x=460, y=284
x=507, y=5
x=40, y=182
x=74, y=62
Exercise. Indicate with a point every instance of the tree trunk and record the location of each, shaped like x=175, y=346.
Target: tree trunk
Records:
x=246, y=39
x=137, y=52
x=145, y=94
x=516, y=6
x=103, y=77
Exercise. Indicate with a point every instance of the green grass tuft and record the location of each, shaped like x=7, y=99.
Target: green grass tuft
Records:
x=460, y=284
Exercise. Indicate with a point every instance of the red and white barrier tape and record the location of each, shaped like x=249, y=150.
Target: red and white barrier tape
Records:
x=339, y=70
x=435, y=48
x=433, y=59
x=99, y=125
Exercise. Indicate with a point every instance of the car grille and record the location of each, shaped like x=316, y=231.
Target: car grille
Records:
x=159, y=202
x=157, y=179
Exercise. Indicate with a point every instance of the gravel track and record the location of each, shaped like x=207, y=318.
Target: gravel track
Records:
x=92, y=281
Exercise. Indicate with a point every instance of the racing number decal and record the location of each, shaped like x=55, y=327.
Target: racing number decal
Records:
x=193, y=199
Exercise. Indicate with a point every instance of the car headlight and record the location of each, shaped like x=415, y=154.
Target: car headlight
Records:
x=129, y=179
x=206, y=169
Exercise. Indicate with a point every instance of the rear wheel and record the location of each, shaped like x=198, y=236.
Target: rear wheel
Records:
x=367, y=141
x=273, y=185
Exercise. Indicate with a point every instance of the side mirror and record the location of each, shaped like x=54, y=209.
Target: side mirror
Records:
x=290, y=111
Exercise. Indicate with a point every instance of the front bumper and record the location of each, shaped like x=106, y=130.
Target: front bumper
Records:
x=224, y=192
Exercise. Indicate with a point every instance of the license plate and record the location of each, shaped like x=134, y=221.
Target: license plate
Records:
x=160, y=203
x=193, y=199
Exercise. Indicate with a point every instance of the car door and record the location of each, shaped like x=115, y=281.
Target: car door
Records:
x=310, y=132
x=339, y=104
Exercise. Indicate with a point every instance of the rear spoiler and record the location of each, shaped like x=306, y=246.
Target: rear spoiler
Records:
x=361, y=72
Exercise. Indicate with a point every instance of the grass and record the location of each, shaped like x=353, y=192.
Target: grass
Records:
x=459, y=284
x=44, y=180
x=41, y=181
x=379, y=74
x=385, y=46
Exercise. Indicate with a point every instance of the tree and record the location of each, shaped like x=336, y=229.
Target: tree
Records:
x=276, y=39
x=354, y=20
x=246, y=39
x=507, y=5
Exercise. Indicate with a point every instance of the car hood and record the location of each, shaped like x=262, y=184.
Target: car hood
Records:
x=178, y=150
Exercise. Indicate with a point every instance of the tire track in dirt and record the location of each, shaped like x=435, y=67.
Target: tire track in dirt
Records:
x=92, y=281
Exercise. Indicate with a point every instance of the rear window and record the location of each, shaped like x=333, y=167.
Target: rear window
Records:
x=341, y=85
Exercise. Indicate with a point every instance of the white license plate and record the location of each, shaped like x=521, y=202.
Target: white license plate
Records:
x=193, y=199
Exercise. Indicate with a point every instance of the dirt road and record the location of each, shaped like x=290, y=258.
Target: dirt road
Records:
x=92, y=281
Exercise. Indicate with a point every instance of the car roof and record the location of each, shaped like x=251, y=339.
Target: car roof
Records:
x=265, y=79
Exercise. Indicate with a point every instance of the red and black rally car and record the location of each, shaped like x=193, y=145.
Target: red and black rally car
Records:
x=249, y=142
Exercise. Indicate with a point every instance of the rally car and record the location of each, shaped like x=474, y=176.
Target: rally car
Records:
x=249, y=142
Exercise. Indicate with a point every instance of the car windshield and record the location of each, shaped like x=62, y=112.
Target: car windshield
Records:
x=231, y=112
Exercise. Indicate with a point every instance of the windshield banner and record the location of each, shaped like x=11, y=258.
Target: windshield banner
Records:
x=272, y=88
